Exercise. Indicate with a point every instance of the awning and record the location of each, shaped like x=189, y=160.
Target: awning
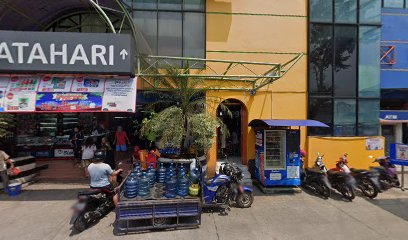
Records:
x=393, y=116
x=285, y=123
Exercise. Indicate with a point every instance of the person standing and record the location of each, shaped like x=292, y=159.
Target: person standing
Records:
x=76, y=138
x=121, y=139
x=4, y=159
x=88, y=151
x=109, y=156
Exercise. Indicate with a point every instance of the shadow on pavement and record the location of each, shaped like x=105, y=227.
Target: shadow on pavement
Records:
x=44, y=195
x=393, y=206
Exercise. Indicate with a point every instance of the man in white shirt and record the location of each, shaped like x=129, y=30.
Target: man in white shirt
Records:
x=4, y=159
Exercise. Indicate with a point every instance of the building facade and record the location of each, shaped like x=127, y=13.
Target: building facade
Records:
x=335, y=80
x=394, y=84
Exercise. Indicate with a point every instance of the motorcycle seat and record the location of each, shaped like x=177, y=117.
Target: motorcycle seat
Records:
x=313, y=171
x=90, y=192
x=359, y=170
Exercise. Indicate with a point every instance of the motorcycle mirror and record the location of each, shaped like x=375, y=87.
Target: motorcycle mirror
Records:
x=318, y=154
x=120, y=164
x=370, y=156
x=323, y=155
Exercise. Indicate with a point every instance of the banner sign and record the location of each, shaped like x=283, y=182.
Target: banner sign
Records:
x=67, y=94
x=88, y=84
x=374, y=143
x=68, y=102
x=55, y=84
x=23, y=83
x=63, y=52
x=120, y=95
x=20, y=101
x=64, y=152
x=399, y=151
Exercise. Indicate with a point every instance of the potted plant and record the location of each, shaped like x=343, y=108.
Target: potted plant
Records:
x=181, y=117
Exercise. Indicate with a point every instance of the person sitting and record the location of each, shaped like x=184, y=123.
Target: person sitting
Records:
x=100, y=173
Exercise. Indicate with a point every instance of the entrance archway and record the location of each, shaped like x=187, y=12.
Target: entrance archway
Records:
x=233, y=146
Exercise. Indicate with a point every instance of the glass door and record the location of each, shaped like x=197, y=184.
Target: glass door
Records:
x=275, y=149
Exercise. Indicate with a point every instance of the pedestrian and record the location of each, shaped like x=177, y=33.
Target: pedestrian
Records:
x=76, y=138
x=88, y=151
x=4, y=159
x=99, y=132
x=109, y=155
x=121, y=139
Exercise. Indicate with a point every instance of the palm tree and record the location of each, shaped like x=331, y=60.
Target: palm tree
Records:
x=182, y=113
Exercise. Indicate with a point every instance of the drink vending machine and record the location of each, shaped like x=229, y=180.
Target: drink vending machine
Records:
x=277, y=151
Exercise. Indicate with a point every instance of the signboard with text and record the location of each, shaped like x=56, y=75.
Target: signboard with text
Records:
x=62, y=52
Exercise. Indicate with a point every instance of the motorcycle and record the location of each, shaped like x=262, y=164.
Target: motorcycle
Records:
x=226, y=188
x=343, y=182
x=387, y=173
x=316, y=178
x=367, y=181
x=93, y=204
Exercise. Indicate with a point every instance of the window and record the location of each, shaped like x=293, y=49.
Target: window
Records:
x=345, y=73
x=344, y=68
x=393, y=3
x=369, y=62
x=346, y=10
x=171, y=27
x=321, y=10
x=370, y=11
x=321, y=59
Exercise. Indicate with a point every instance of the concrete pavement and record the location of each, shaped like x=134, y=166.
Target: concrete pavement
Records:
x=42, y=211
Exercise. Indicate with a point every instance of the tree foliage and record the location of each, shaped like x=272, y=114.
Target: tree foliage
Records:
x=6, y=123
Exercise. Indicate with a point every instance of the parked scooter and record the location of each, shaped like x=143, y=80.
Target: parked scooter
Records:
x=225, y=188
x=343, y=182
x=92, y=205
x=367, y=181
x=387, y=173
x=316, y=178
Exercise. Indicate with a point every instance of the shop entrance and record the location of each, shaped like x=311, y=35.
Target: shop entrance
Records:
x=232, y=146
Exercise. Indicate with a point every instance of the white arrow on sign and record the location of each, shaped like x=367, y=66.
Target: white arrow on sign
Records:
x=123, y=53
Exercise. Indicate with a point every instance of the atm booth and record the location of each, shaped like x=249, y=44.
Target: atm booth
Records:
x=277, y=150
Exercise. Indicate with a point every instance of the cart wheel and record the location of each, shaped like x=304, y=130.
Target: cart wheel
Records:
x=160, y=221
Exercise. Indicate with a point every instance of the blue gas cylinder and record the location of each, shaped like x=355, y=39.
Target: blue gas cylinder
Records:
x=144, y=185
x=194, y=176
x=151, y=176
x=171, y=186
x=182, y=185
x=161, y=174
x=131, y=186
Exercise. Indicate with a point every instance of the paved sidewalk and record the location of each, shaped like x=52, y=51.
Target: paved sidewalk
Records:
x=42, y=211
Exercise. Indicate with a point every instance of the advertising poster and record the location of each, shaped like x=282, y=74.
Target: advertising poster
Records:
x=23, y=83
x=68, y=102
x=120, y=95
x=88, y=84
x=4, y=81
x=20, y=101
x=401, y=151
x=55, y=84
x=374, y=144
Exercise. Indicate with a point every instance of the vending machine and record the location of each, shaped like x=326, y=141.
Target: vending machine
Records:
x=277, y=151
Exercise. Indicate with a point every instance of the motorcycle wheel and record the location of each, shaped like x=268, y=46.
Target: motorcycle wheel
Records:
x=348, y=192
x=321, y=189
x=80, y=223
x=368, y=188
x=245, y=200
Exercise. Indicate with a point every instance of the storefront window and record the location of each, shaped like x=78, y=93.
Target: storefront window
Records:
x=321, y=109
x=170, y=4
x=393, y=3
x=194, y=35
x=369, y=62
x=368, y=115
x=144, y=4
x=170, y=32
x=173, y=28
x=321, y=60
x=370, y=11
x=321, y=10
x=345, y=117
x=345, y=73
x=194, y=5
x=346, y=11
x=146, y=22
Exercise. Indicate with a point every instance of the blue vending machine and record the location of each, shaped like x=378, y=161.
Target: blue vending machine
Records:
x=277, y=151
